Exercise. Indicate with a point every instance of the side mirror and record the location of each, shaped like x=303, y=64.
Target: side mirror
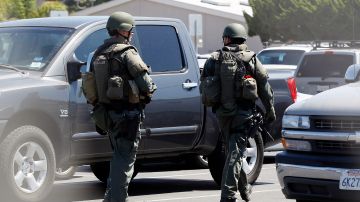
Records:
x=73, y=68
x=352, y=73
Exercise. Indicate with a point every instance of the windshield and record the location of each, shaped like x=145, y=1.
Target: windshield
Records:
x=325, y=65
x=283, y=57
x=31, y=48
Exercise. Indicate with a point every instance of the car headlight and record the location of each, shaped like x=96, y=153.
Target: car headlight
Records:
x=298, y=145
x=293, y=121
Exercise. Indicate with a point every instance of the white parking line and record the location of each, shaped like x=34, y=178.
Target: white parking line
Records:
x=198, y=197
x=171, y=176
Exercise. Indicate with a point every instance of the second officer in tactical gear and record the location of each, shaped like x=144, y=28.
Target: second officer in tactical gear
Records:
x=232, y=80
x=123, y=87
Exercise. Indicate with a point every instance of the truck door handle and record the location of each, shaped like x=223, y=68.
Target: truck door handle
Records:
x=189, y=85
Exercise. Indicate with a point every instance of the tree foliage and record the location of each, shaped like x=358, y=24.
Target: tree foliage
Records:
x=76, y=5
x=3, y=9
x=47, y=6
x=288, y=20
x=21, y=9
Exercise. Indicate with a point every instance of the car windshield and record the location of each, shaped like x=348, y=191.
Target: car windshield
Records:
x=30, y=48
x=324, y=65
x=283, y=57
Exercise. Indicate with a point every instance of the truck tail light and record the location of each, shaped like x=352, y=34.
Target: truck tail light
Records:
x=292, y=88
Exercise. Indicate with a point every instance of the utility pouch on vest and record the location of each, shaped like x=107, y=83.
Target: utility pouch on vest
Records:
x=227, y=75
x=101, y=70
x=134, y=96
x=88, y=87
x=101, y=117
x=115, y=89
x=250, y=89
x=210, y=91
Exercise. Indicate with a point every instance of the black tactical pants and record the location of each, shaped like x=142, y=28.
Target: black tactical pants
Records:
x=234, y=129
x=125, y=138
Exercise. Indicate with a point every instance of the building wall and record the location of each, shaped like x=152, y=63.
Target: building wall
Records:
x=212, y=25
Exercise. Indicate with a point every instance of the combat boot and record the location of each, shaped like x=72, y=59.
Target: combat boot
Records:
x=245, y=194
x=228, y=200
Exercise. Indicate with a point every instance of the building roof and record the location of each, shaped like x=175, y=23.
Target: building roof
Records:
x=231, y=9
x=74, y=22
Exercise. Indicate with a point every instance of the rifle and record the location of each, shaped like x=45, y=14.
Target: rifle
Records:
x=256, y=123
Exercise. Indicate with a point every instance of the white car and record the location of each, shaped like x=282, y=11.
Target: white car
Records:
x=285, y=57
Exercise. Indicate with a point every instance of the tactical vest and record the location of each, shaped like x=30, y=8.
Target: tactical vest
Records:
x=111, y=78
x=233, y=81
x=237, y=80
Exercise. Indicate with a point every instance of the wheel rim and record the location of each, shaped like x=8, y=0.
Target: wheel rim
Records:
x=62, y=171
x=250, y=156
x=29, y=167
x=203, y=159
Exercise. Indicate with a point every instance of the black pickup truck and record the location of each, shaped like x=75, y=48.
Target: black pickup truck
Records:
x=44, y=117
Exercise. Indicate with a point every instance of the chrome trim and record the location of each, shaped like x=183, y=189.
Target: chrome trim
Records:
x=332, y=136
x=173, y=130
x=89, y=135
x=289, y=170
x=151, y=131
x=189, y=85
x=355, y=137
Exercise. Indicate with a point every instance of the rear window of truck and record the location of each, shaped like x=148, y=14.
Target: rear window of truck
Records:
x=324, y=65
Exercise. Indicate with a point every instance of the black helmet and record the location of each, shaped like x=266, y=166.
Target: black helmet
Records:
x=235, y=30
x=120, y=21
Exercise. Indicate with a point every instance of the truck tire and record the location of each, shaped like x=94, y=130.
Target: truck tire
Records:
x=252, y=166
x=101, y=171
x=65, y=173
x=27, y=164
x=198, y=161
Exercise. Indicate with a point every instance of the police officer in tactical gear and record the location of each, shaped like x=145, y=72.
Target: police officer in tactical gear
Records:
x=124, y=96
x=238, y=68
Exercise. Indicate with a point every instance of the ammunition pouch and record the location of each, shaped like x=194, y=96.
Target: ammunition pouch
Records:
x=102, y=76
x=101, y=117
x=115, y=89
x=134, y=94
x=246, y=88
x=210, y=89
x=88, y=87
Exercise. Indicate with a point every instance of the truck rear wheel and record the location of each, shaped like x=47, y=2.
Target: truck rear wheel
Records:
x=252, y=166
x=101, y=170
x=27, y=164
x=65, y=172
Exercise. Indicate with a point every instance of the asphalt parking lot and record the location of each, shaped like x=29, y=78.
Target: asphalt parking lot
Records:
x=173, y=183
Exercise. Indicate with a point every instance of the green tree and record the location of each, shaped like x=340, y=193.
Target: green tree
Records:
x=21, y=9
x=304, y=19
x=73, y=4
x=4, y=9
x=48, y=6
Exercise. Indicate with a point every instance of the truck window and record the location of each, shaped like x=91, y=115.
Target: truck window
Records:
x=91, y=42
x=159, y=46
x=31, y=48
x=324, y=65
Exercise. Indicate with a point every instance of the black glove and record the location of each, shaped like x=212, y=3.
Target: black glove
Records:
x=270, y=116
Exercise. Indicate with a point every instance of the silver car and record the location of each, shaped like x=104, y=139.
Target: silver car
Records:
x=322, y=141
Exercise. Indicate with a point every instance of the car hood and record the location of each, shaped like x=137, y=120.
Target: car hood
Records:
x=16, y=80
x=340, y=101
